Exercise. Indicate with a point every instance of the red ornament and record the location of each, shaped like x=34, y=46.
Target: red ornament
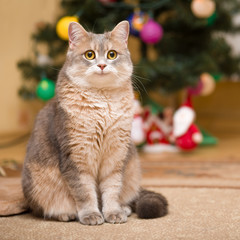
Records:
x=151, y=32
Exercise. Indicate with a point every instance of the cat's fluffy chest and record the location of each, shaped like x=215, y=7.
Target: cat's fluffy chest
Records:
x=98, y=125
x=99, y=113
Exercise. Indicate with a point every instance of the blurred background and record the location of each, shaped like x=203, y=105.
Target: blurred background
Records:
x=180, y=49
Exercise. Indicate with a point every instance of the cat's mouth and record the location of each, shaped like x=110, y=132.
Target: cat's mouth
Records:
x=102, y=73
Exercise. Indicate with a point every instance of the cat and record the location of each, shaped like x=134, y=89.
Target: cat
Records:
x=81, y=163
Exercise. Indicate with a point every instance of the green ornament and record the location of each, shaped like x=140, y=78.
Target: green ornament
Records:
x=217, y=76
x=45, y=89
x=211, y=20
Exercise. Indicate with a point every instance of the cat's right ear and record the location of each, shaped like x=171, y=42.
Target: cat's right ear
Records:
x=76, y=33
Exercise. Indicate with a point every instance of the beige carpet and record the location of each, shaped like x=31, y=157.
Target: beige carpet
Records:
x=198, y=213
x=203, y=190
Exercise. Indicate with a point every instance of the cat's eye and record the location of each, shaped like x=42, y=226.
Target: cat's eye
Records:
x=112, y=54
x=90, y=54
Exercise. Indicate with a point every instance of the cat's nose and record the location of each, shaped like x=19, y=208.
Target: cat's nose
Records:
x=102, y=66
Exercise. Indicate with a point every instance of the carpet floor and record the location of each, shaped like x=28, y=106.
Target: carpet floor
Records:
x=196, y=213
x=202, y=188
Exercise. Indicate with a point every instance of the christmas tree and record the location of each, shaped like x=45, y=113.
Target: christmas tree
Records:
x=187, y=36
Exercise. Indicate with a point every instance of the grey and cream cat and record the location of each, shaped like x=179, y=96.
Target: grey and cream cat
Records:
x=80, y=162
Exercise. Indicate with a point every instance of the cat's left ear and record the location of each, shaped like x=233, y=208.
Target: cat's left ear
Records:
x=121, y=31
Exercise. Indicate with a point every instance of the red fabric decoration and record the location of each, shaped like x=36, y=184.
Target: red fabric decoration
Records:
x=186, y=142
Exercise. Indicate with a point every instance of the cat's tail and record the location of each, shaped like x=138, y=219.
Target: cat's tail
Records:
x=150, y=205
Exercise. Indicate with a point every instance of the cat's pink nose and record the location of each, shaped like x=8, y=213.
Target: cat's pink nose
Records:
x=102, y=66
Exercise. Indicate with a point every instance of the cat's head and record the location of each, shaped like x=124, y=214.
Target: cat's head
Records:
x=99, y=60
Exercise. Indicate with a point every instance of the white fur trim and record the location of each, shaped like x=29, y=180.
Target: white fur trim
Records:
x=182, y=120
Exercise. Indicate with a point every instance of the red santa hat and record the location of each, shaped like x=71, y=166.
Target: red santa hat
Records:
x=188, y=101
x=183, y=118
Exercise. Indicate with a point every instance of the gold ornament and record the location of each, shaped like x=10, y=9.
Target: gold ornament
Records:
x=139, y=19
x=209, y=84
x=62, y=26
x=203, y=8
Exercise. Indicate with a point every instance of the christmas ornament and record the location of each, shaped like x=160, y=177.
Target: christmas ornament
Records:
x=217, y=76
x=203, y=8
x=43, y=60
x=62, y=26
x=212, y=19
x=136, y=21
x=151, y=32
x=196, y=90
x=139, y=19
x=185, y=133
x=133, y=31
x=45, y=89
x=208, y=84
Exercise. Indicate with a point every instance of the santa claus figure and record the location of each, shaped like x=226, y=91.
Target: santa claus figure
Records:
x=186, y=134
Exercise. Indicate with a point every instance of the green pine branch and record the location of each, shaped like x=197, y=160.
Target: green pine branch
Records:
x=189, y=47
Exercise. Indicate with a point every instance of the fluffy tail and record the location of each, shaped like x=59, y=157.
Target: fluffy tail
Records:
x=150, y=205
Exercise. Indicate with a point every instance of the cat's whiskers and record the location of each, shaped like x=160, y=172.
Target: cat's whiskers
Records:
x=134, y=84
x=56, y=69
x=137, y=83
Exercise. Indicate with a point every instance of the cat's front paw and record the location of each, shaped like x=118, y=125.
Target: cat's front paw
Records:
x=93, y=218
x=116, y=217
x=127, y=210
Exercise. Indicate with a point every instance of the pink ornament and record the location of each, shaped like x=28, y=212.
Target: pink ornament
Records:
x=151, y=32
x=196, y=90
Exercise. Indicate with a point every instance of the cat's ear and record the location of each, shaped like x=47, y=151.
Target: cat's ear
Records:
x=121, y=31
x=76, y=33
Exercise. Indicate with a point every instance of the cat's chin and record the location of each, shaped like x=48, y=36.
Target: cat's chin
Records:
x=102, y=80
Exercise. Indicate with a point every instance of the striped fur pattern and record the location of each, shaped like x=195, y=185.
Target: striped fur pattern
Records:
x=80, y=161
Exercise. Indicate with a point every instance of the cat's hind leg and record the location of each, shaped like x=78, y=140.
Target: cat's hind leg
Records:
x=47, y=193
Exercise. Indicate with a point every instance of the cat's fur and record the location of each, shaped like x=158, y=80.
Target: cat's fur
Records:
x=80, y=162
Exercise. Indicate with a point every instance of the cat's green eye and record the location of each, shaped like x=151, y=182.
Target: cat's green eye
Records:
x=90, y=54
x=112, y=54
